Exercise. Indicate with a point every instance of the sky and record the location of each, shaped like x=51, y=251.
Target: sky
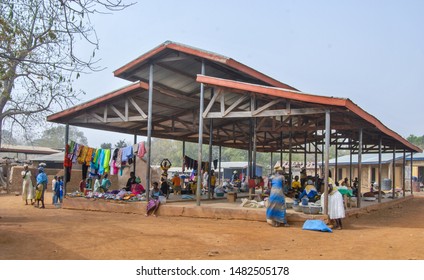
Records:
x=371, y=52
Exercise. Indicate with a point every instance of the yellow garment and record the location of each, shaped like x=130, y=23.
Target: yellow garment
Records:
x=213, y=180
x=88, y=156
x=296, y=185
x=82, y=155
x=308, y=188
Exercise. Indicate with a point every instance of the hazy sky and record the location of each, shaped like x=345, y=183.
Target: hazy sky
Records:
x=371, y=52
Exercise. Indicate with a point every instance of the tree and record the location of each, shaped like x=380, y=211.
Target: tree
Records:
x=106, y=146
x=8, y=137
x=38, y=57
x=121, y=144
x=54, y=137
x=416, y=140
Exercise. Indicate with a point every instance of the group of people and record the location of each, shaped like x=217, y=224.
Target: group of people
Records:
x=276, y=208
x=34, y=194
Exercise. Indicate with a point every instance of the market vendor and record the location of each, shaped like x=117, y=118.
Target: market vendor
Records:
x=310, y=191
x=130, y=181
x=106, y=183
x=137, y=188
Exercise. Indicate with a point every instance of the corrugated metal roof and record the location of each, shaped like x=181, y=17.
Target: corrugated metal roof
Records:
x=232, y=90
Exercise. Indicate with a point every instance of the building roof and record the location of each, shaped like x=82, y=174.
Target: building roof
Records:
x=6, y=148
x=237, y=98
x=373, y=158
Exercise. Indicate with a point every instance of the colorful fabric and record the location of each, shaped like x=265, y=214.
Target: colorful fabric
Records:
x=276, y=210
x=106, y=161
x=152, y=204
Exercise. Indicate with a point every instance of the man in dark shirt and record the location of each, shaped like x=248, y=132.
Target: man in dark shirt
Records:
x=130, y=181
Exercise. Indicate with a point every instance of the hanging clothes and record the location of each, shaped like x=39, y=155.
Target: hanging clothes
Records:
x=106, y=161
x=141, y=150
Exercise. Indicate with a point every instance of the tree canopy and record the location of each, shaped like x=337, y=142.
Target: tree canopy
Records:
x=38, y=57
x=54, y=137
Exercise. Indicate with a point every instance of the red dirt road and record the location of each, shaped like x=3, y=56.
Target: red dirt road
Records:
x=27, y=233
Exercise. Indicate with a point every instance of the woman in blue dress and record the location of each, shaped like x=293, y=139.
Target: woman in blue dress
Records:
x=276, y=210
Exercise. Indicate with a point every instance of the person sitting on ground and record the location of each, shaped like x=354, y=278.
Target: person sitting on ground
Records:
x=137, y=188
x=106, y=183
x=153, y=204
x=310, y=191
x=296, y=184
x=130, y=181
x=96, y=186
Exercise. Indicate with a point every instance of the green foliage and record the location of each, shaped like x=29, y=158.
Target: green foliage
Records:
x=121, y=144
x=38, y=63
x=416, y=140
x=106, y=146
x=54, y=137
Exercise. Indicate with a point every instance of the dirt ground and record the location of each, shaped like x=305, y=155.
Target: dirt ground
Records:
x=28, y=233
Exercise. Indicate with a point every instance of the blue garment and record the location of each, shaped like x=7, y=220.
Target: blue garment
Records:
x=42, y=178
x=276, y=210
x=56, y=196
x=311, y=194
x=127, y=153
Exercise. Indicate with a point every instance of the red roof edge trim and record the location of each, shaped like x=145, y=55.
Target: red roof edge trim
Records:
x=118, y=92
x=203, y=54
x=140, y=59
x=373, y=120
x=278, y=92
x=304, y=97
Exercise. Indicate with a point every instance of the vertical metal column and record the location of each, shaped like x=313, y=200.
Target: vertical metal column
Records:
x=183, y=164
x=336, y=175
x=249, y=153
x=219, y=165
x=65, y=175
x=199, y=155
x=290, y=154
x=350, y=166
x=134, y=156
x=149, y=132
x=403, y=171
x=412, y=158
x=305, y=152
x=394, y=171
x=316, y=156
x=210, y=155
x=326, y=158
x=254, y=148
x=359, y=168
x=380, y=144
x=270, y=165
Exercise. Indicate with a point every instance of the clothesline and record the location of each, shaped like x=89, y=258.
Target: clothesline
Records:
x=100, y=160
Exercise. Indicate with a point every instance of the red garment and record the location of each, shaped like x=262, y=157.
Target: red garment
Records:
x=137, y=189
x=141, y=150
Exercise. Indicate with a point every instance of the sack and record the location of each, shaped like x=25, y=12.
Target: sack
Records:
x=317, y=225
x=162, y=199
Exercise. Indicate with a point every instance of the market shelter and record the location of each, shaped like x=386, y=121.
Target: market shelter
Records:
x=183, y=93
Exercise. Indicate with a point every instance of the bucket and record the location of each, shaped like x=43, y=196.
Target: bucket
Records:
x=305, y=201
